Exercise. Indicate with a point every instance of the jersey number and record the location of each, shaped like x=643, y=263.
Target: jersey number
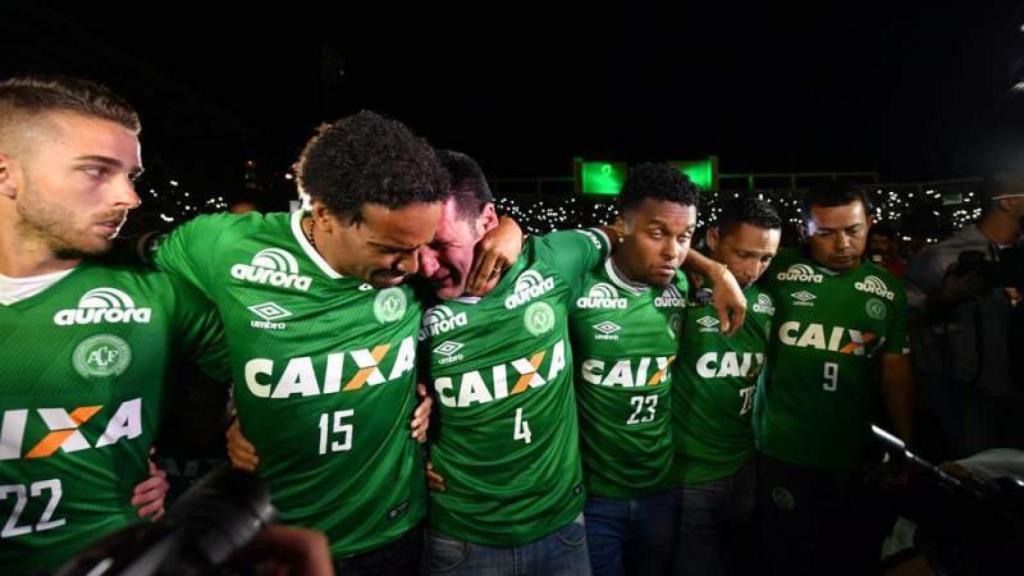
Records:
x=21, y=495
x=522, y=428
x=641, y=404
x=831, y=376
x=747, y=395
x=332, y=423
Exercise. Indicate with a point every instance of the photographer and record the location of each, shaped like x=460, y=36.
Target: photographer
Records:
x=962, y=295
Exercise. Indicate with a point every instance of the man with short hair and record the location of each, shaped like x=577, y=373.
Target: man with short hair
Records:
x=962, y=307
x=713, y=396
x=839, y=349
x=501, y=369
x=88, y=342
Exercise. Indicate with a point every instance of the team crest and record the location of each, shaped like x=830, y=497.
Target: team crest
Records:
x=875, y=309
x=675, y=325
x=102, y=356
x=539, y=318
x=389, y=306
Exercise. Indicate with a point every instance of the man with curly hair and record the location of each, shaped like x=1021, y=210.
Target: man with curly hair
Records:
x=323, y=334
x=625, y=336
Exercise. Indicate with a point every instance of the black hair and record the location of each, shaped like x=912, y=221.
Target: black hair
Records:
x=831, y=195
x=468, y=184
x=366, y=158
x=747, y=209
x=657, y=182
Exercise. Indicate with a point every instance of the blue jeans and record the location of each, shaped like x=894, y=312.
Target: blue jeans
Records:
x=561, y=553
x=714, y=517
x=631, y=536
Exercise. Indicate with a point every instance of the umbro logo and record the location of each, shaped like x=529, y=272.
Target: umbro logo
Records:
x=607, y=330
x=270, y=312
x=803, y=298
x=708, y=324
x=449, y=350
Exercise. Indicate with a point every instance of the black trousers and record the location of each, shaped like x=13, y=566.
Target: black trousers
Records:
x=816, y=521
x=398, y=558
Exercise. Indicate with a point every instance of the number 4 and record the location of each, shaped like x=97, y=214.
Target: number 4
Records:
x=522, y=428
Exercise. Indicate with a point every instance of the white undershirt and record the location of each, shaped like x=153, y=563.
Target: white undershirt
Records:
x=17, y=289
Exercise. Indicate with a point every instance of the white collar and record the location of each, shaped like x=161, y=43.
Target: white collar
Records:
x=634, y=288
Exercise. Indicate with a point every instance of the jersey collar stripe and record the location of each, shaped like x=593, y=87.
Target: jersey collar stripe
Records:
x=600, y=234
x=311, y=252
x=618, y=280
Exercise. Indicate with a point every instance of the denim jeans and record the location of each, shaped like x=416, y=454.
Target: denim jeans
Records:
x=628, y=537
x=561, y=553
x=714, y=518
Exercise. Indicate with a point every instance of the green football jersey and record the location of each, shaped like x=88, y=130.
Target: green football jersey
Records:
x=625, y=340
x=822, y=386
x=83, y=366
x=713, y=390
x=501, y=368
x=325, y=373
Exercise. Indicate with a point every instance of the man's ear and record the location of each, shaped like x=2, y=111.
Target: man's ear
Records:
x=626, y=220
x=1005, y=204
x=711, y=237
x=325, y=220
x=488, y=219
x=10, y=177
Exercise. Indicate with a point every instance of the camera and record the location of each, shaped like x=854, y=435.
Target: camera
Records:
x=1005, y=271
x=971, y=262
x=972, y=525
x=215, y=518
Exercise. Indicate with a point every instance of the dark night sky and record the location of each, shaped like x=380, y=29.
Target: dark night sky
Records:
x=909, y=91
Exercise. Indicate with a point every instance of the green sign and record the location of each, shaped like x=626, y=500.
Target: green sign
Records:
x=703, y=173
x=601, y=178
x=607, y=178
